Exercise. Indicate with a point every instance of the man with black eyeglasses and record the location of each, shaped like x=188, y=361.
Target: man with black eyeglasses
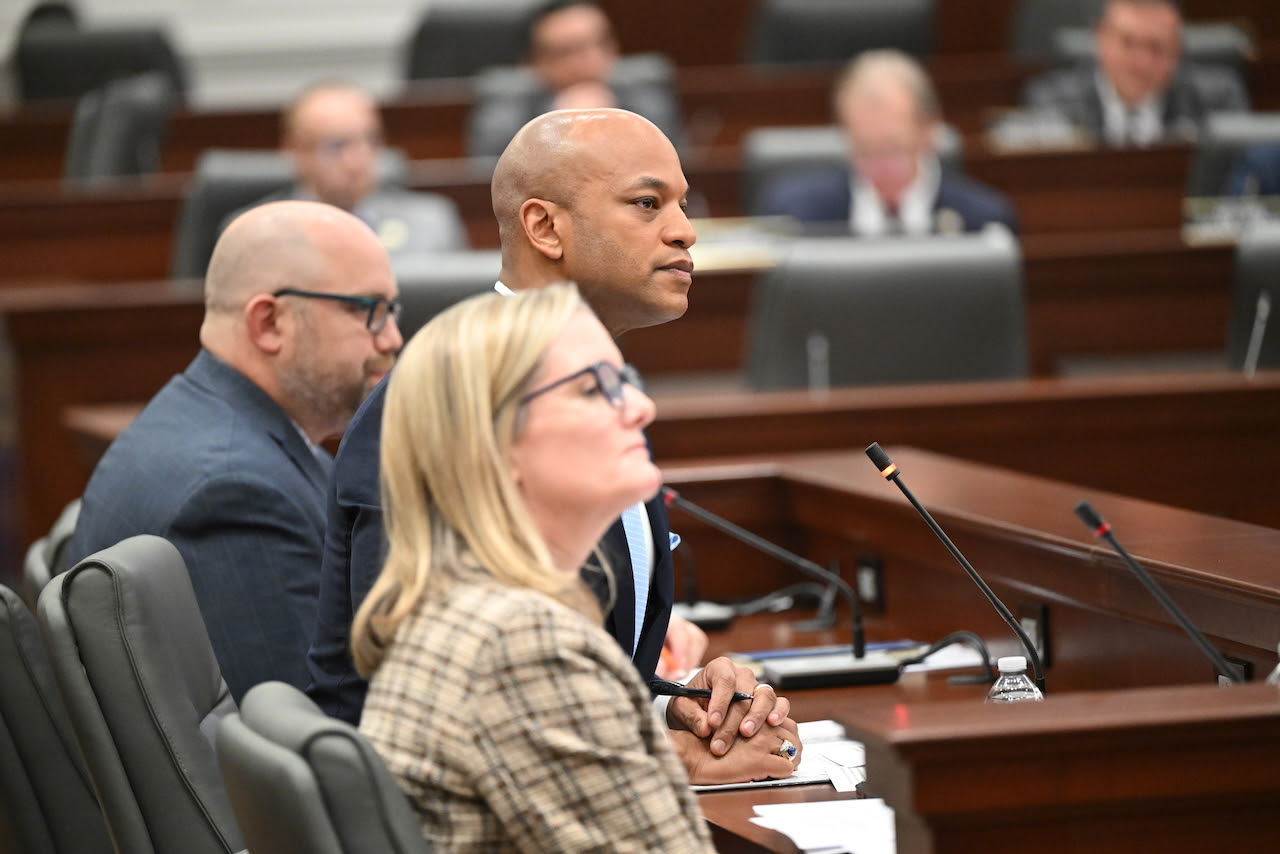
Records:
x=226, y=461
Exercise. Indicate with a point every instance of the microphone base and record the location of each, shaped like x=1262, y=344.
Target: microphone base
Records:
x=831, y=671
x=708, y=616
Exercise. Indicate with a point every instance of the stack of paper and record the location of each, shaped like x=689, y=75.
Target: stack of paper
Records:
x=862, y=826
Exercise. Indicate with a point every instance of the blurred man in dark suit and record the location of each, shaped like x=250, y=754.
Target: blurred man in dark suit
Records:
x=895, y=183
x=1138, y=91
x=1258, y=173
x=573, y=63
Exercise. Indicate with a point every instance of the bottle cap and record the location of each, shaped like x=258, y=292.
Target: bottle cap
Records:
x=1012, y=664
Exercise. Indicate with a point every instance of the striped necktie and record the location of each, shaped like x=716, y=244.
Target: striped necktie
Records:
x=638, y=547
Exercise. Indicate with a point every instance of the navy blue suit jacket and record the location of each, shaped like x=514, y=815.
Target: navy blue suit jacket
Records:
x=355, y=547
x=1258, y=172
x=213, y=465
x=823, y=197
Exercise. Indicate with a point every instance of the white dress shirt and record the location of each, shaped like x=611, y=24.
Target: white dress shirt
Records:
x=869, y=217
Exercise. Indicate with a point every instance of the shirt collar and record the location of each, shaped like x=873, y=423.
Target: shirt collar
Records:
x=869, y=217
x=1122, y=124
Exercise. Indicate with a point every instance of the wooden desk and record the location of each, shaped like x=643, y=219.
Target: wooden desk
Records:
x=126, y=232
x=1115, y=759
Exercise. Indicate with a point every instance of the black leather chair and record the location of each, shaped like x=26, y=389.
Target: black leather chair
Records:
x=144, y=695
x=1252, y=338
x=458, y=38
x=119, y=130
x=304, y=783
x=47, y=805
x=1222, y=143
x=853, y=311
x=65, y=62
x=430, y=283
x=44, y=558
x=769, y=153
x=834, y=31
x=227, y=180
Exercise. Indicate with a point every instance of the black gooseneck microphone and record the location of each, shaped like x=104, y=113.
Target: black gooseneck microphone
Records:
x=808, y=567
x=891, y=472
x=816, y=671
x=1102, y=530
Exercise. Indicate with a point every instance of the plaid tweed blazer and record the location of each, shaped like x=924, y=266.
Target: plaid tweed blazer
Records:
x=515, y=724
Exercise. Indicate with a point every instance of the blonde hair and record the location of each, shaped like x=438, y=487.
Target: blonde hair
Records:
x=450, y=503
x=871, y=69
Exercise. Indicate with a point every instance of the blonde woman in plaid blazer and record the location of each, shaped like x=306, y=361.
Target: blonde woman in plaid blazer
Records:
x=512, y=438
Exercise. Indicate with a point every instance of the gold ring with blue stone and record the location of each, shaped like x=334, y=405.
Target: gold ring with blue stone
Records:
x=787, y=750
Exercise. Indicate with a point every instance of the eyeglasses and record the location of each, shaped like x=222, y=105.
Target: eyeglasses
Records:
x=608, y=377
x=378, y=308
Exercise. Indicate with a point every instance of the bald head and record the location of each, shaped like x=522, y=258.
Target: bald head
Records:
x=597, y=197
x=555, y=154
x=264, y=249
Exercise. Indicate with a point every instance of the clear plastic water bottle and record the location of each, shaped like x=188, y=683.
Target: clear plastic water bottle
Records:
x=1013, y=686
x=1274, y=677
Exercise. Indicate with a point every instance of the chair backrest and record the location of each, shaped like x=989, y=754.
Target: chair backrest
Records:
x=118, y=130
x=1221, y=44
x=304, y=783
x=458, y=38
x=1221, y=144
x=45, y=558
x=144, y=695
x=431, y=282
x=46, y=798
x=225, y=181
x=769, y=153
x=1257, y=273
x=63, y=63
x=850, y=311
x=834, y=31
x=1035, y=24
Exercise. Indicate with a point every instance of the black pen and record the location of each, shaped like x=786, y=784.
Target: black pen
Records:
x=675, y=689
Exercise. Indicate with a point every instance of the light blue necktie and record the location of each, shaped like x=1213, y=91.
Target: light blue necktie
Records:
x=633, y=525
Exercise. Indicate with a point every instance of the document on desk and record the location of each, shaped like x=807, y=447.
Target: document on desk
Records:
x=829, y=756
x=861, y=826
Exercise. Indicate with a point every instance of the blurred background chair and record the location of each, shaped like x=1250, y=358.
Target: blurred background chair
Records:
x=118, y=130
x=304, y=783
x=769, y=153
x=852, y=311
x=44, y=558
x=458, y=38
x=144, y=695
x=1255, y=299
x=228, y=180
x=67, y=62
x=431, y=282
x=1222, y=143
x=1037, y=22
x=47, y=805
x=834, y=31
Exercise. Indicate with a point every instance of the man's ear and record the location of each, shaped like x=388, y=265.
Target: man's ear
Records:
x=540, y=219
x=266, y=323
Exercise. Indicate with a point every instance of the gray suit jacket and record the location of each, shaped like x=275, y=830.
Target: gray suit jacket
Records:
x=1196, y=91
x=508, y=98
x=216, y=467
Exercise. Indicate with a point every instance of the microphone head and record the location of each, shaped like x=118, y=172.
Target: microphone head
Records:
x=1091, y=518
x=881, y=459
x=669, y=496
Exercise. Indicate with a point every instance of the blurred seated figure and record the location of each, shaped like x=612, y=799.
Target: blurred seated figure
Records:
x=512, y=439
x=1258, y=173
x=572, y=63
x=333, y=134
x=894, y=183
x=1138, y=90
